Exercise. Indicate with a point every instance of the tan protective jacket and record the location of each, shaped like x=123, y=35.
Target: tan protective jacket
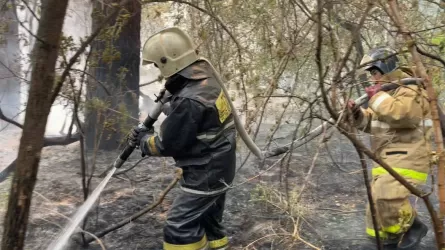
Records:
x=401, y=126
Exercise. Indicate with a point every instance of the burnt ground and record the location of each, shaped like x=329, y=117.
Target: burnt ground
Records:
x=329, y=215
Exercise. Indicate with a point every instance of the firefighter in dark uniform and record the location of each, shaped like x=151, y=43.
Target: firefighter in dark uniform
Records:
x=199, y=133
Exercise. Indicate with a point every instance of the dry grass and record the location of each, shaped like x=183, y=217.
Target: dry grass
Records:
x=286, y=231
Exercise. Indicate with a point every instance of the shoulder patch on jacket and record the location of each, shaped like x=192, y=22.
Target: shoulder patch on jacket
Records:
x=223, y=107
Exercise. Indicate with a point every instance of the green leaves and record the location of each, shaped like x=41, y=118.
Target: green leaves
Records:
x=439, y=40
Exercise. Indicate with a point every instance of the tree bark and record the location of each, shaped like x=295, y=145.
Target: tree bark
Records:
x=125, y=91
x=44, y=57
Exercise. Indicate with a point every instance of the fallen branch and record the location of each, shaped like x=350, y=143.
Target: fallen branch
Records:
x=178, y=175
x=61, y=140
x=47, y=141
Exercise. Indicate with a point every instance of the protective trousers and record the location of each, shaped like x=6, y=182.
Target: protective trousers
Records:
x=394, y=212
x=194, y=223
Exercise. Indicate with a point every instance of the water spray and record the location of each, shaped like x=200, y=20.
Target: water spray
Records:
x=82, y=211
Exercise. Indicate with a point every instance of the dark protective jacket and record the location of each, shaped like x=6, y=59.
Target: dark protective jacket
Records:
x=199, y=131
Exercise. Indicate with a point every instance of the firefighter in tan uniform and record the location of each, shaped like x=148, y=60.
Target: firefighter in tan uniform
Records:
x=400, y=125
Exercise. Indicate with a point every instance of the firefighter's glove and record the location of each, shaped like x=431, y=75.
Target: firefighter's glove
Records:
x=137, y=135
x=371, y=91
x=354, y=109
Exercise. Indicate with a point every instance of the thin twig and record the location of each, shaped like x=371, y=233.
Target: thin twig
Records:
x=258, y=175
x=82, y=48
x=13, y=73
x=30, y=10
x=424, y=53
x=178, y=176
x=370, y=198
x=130, y=168
x=26, y=28
x=95, y=238
x=9, y=120
x=322, y=143
x=266, y=236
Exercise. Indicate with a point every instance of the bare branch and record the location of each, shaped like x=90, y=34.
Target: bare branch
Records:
x=6, y=119
x=30, y=10
x=424, y=53
x=84, y=72
x=12, y=72
x=83, y=47
x=178, y=176
x=369, y=193
x=47, y=142
x=24, y=27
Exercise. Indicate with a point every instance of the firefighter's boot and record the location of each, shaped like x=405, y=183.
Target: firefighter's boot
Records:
x=413, y=236
x=373, y=246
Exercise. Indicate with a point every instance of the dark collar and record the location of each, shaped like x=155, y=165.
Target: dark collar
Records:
x=199, y=70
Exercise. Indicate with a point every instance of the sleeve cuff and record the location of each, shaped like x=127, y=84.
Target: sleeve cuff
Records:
x=151, y=146
x=362, y=121
x=377, y=100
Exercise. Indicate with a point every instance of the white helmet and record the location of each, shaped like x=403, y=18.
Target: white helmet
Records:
x=171, y=50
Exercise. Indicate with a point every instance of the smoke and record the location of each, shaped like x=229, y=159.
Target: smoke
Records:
x=9, y=83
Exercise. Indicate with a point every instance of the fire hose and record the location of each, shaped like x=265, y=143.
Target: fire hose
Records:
x=152, y=117
x=328, y=124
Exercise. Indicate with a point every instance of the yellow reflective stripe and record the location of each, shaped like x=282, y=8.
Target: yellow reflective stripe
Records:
x=376, y=103
x=371, y=232
x=152, y=146
x=219, y=243
x=395, y=229
x=403, y=172
x=193, y=246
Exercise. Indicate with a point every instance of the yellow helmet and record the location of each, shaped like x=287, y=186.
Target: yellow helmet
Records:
x=170, y=49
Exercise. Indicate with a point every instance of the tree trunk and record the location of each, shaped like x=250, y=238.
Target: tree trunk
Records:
x=39, y=104
x=105, y=127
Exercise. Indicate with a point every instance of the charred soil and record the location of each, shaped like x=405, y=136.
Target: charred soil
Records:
x=327, y=214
